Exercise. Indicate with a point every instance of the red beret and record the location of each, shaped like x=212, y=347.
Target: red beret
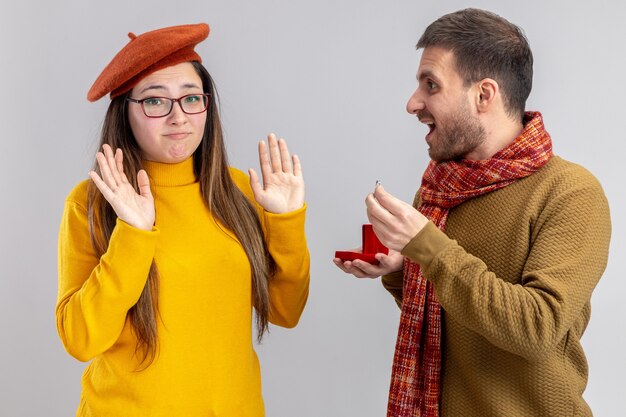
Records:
x=145, y=54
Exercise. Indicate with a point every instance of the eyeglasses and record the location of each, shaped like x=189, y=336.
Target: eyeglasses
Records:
x=162, y=106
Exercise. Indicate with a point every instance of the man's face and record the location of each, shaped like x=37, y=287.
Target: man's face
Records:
x=444, y=104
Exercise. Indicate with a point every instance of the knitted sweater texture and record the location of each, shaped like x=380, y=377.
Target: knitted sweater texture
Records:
x=206, y=364
x=514, y=272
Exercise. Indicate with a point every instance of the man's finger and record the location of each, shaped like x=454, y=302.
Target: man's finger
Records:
x=388, y=201
x=375, y=209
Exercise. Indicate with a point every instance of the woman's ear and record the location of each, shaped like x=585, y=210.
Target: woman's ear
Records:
x=487, y=91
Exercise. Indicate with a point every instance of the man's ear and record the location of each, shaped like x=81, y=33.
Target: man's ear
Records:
x=487, y=90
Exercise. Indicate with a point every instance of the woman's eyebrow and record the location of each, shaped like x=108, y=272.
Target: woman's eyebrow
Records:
x=162, y=87
x=190, y=85
x=152, y=87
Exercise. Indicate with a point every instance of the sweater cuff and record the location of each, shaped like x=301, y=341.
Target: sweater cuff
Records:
x=129, y=233
x=128, y=258
x=426, y=245
x=285, y=229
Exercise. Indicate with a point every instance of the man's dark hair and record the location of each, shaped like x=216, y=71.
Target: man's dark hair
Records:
x=486, y=45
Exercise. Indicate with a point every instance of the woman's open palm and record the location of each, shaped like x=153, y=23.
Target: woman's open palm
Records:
x=136, y=209
x=283, y=186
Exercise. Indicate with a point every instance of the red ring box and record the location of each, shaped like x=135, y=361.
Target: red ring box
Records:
x=371, y=246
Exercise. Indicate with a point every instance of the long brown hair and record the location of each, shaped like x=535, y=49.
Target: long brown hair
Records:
x=225, y=201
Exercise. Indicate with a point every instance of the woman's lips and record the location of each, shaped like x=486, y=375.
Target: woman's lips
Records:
x=177, y=135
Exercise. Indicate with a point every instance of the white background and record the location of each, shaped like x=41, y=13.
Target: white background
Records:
x=333, y=78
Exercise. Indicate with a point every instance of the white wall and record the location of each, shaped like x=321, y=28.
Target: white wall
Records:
x=333, y=78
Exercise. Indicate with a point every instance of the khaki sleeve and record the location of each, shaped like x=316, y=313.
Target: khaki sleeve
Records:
x=567, y=258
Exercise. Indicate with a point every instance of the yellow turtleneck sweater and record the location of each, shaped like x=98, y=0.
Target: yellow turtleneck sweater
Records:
x=206, y=364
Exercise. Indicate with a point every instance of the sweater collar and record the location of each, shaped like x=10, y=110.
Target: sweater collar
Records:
x=170, y=175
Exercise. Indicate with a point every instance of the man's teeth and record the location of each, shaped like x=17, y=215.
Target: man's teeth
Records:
x=431, y=125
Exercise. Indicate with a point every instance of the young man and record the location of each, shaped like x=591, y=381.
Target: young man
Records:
x=495, y=267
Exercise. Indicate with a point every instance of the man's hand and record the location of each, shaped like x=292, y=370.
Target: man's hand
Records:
x=361, y=269
x=394, y=221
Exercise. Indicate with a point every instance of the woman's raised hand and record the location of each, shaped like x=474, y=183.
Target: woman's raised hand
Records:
x=135, y=209
x=283, y=186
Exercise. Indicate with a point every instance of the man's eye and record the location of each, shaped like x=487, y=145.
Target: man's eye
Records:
x=431, y=85
x=153, y=101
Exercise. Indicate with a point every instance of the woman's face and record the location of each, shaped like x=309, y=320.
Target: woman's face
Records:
x=175, y=137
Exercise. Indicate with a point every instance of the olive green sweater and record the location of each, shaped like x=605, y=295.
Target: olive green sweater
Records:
x=514, y=272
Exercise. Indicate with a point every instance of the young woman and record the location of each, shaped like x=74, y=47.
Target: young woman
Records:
x=165, y=251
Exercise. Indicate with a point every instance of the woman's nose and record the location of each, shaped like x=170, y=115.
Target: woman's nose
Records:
x=177, y=115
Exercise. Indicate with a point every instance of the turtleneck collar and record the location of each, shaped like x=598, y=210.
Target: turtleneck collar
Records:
x=170, y=175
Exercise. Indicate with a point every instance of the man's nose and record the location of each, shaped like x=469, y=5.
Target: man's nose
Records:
x=415, y=103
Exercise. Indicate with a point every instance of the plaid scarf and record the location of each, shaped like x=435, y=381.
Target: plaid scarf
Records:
x=416, y=373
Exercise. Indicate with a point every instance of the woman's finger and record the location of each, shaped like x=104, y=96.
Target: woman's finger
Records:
x=257, y=189
x=297, y=167
x=274, y=153
x=264, y=161
x=143, y=183
x=285, y=159
x=119, y=163
x=102, y=186
x=105, y=171
x=110, y=157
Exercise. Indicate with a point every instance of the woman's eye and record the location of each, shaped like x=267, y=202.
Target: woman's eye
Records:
x=192, y=99
x=153, y=101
